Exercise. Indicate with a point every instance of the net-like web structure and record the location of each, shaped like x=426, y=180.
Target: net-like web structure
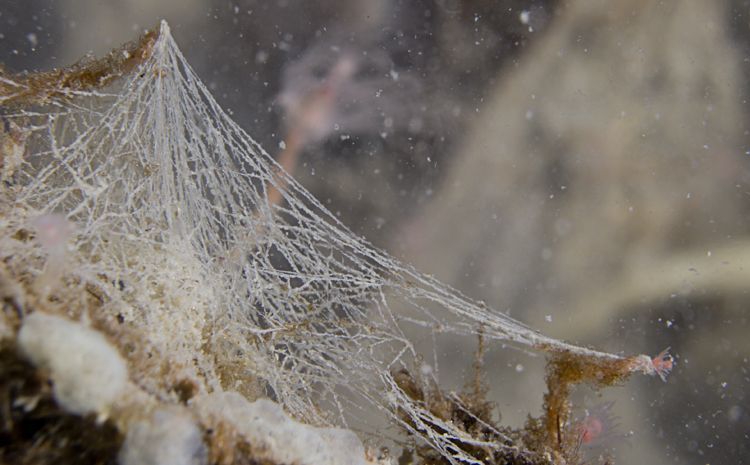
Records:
x=174, y=238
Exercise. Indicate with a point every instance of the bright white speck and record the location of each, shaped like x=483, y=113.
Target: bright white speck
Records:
x=525, y=16
x=282, y=145
x=519, y=368
x=708, y=254
x=548, y=318
x=31, y=37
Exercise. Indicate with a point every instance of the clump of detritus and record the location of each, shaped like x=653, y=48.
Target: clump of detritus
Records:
x=88, y=74
x=562, y=436
x=551, y=438
x=474, y=415
x=559, y=434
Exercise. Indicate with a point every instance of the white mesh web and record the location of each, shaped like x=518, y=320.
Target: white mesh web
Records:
x=169, y=199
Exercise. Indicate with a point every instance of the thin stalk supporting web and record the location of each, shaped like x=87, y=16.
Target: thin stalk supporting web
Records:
x=172, y=230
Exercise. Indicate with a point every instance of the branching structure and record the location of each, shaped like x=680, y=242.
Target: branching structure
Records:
x=181, y=253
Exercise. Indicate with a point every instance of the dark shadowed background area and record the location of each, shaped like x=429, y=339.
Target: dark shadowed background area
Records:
x=583, y=165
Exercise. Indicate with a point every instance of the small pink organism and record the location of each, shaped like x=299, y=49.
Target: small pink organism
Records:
x=660, y=365
x=663, y=364
x=53, y=231
x=598, y=426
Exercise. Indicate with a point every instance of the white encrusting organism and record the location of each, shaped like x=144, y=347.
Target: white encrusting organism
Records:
x=87, y=373
x=280, y=439
x=168, y=436
x=178, y=242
